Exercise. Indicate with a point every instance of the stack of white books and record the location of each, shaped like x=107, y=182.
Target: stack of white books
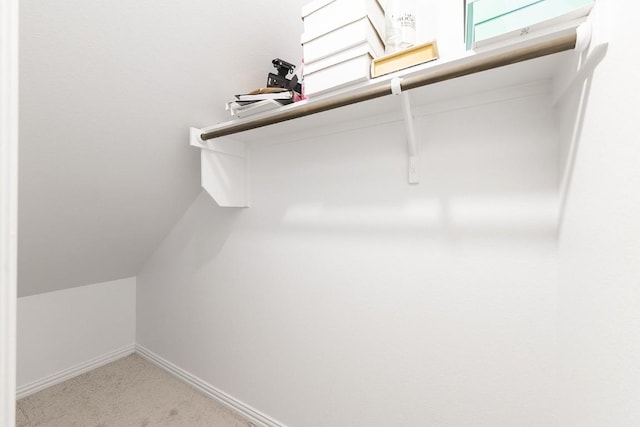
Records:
x=340, y=39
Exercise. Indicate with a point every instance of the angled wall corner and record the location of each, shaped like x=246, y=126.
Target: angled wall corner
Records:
x=224, y=169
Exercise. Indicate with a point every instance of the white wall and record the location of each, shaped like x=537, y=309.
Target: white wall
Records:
x=103, y=203
x=344, y=296
x=60, y=332
x=600, y=240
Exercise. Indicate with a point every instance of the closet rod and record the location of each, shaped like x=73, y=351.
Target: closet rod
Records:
x=471, y=65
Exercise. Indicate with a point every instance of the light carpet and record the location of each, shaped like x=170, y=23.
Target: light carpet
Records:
x=129, y=392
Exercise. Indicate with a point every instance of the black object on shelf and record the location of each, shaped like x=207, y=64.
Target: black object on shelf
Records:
x=280, y=80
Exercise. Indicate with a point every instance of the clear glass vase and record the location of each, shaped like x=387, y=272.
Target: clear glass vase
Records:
x=400, y=25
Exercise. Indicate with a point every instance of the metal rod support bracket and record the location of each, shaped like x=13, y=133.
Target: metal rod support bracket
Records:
x=412, y=141
x=595, y=46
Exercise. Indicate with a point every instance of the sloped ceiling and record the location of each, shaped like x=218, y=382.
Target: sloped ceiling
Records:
x=108, y=90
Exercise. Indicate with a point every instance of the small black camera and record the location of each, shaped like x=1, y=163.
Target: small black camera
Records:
x=280, y=80
x=283, y=67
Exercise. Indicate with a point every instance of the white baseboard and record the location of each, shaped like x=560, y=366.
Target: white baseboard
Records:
x=50, y=380
x=253, y=415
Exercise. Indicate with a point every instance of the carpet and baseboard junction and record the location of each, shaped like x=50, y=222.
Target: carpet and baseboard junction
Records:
x=129, y=387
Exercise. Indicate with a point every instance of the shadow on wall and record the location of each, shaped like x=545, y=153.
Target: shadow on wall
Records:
x=202, y=232
x=572, y=118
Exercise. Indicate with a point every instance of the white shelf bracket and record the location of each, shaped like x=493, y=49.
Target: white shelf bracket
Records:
x=586, y=41
x=412, y=141
x=224, y=169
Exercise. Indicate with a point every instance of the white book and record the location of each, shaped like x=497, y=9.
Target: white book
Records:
x=283, y=94
x=338, y=13
x=353, y=34
x=353, y=70
x=336, y=58
x=240, y=110
x=309, y=8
